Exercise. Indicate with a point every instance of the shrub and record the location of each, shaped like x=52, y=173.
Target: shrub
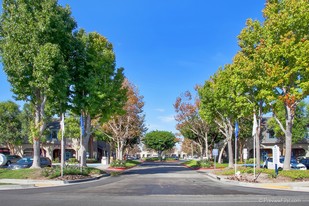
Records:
x=53, y=172
x=56, y=160
x=205, y=163
x=295, y=174
x=72, y=161
x=118, y=163
x=191, y=163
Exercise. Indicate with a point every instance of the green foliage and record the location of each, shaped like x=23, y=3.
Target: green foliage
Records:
x=35, y=46
x=300, y=122
x=205, y=164
x=295, y=174
x=56, y=160
x=17, y=174
x=118, y=163
x=250, y=161
x=97, y=84
x=54, y=172
x=160, y=140
x=191, y=163
x=10, y=124
x=72, y=161
x=72, y=126
x=132, y=163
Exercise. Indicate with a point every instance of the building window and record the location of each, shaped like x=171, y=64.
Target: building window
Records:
x=271, y=134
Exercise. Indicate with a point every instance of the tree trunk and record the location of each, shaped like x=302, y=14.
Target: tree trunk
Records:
x=39, y=129
x=288, y=139
x=206, y=145
x=84, y=141
x=201, y=150
x=221, y=152
x=257, y=139
x=120, y=150
x=230, y=153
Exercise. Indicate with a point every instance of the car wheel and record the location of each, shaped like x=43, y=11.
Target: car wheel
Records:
x=265, y=167
x=8, y=163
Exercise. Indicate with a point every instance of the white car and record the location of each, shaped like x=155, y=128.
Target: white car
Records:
x=269, y=164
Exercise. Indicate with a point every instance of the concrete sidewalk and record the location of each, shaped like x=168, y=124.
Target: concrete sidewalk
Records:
x=293, y=186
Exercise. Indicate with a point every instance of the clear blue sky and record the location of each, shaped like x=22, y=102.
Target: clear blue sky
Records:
x=165, y=46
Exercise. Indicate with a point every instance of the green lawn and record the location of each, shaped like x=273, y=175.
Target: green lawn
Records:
x=195, y=164
x=131, y=163
x=19, y=174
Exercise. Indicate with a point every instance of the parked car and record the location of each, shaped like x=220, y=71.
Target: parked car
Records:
x=27, y=162
x=269, y=164
x=12, y=159
x=305, y=162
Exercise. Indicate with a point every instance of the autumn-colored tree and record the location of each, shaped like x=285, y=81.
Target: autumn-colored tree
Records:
x=190, y=147
x=125, y=130
x=190, y=124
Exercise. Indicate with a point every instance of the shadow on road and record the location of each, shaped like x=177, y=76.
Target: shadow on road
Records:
x=150, y=168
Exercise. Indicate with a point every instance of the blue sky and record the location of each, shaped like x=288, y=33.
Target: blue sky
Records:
x=165, y=46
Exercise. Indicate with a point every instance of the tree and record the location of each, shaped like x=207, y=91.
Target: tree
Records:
x=300, y=124
x=35, y=43
x=96, y=90
x=26, y=118
x=159, y=141
x=125, y=130
x=222, y=103
x=190, y=147
x=10, y=125
x=190, y=124
x=279, y=54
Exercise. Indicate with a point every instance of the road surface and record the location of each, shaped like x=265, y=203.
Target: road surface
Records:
x=152, y=184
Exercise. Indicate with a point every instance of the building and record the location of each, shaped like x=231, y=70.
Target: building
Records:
x=268, y=141
x=51, y=146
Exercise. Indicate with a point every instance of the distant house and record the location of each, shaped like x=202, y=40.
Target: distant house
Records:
x=268, y=140
x=51, y=146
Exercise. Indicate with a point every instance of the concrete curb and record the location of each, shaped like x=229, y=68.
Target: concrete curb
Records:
x=27, y=183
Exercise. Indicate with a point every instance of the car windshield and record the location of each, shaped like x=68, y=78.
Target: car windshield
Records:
x=25, y=160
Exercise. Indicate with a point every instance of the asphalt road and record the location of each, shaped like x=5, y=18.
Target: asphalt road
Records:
x=150, y=184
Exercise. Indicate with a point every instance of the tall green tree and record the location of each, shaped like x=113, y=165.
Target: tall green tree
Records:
x=285, y=51
x=223, y=104
x=97, y=91
x=160, y=141
x=277, y=52
x=35, y=45
x=10, y=125
x=250, y=72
